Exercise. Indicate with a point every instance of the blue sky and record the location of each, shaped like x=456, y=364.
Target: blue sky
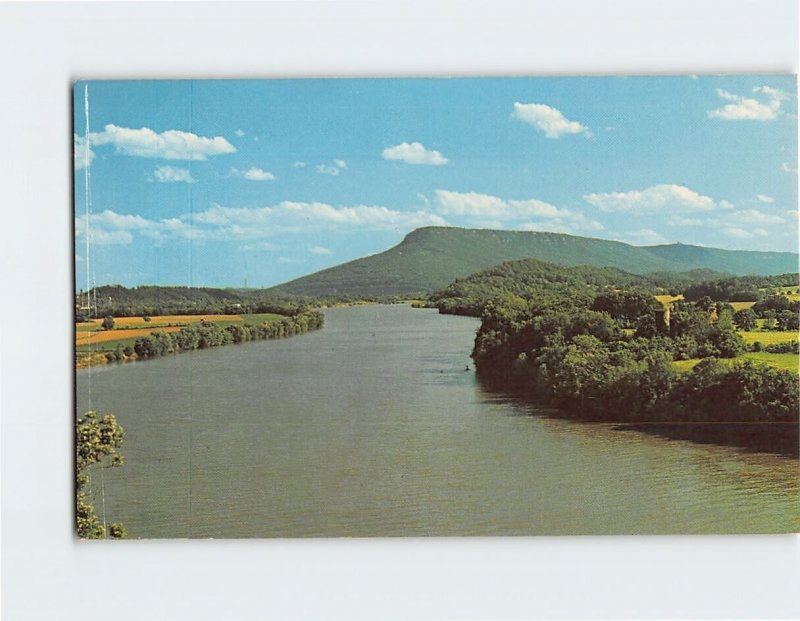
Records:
x=205, y=182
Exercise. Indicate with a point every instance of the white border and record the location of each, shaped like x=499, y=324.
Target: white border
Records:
x=48, y=575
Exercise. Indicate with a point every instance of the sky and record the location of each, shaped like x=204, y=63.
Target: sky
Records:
x=221, y=182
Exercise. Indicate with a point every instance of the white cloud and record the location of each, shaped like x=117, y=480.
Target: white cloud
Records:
x=111, y=238
x=170, y=174
x=258, y=246
x=110, y=227
x=299, y=165
x=169, y=145
x=489, y=211
x=665, y=197
x=753, y=216
x=239, y=133
x=82, y=156
x=739, y=233
x=764, y=198
x=253, y=174
x=340, y=164
x=328, y=170
x=786, y=167
x=290, y=216
x=772, y=93
x=320, y=250
x=290, y=260
x=749, y=109
x=646, y=237
x=683, y=221
x=252, y=224
x=414, y=153
x=548, y=120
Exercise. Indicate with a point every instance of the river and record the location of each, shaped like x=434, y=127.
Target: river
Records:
x=373, y=427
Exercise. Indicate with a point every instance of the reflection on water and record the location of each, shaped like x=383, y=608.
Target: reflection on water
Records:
x=373, y=427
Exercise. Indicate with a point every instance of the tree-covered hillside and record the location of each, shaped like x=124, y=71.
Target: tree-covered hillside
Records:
x=529, y=278
x=431, y=258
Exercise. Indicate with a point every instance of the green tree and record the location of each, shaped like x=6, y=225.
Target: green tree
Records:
x=108, y=322
x=97, y=441
x=788, y=320
x=745, y=319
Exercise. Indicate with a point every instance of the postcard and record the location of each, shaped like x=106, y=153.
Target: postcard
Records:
x=436, y=307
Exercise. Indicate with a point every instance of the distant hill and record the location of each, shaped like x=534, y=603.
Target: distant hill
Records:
x=738, y=262
x=533, y=279
x=431, y=258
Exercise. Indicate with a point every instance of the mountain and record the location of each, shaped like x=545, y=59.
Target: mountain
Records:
x=738, y=262
x=431, y=258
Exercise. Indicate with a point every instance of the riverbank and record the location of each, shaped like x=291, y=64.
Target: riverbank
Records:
x=745, y=405
x=203, y=335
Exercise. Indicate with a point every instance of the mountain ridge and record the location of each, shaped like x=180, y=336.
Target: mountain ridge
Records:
x=430, y=258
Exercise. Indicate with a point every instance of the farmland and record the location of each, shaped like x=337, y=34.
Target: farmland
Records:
x=768, y=337
x=92, y=341
x=668, y=299
x=789, y=362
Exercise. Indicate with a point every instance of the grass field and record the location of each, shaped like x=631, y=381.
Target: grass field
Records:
x=789, y=362
x=768, y=337
x=781, y=361
x=737, y=306
x=90, y=336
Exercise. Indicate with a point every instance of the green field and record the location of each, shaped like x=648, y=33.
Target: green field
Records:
x=789, y=362
x=768, y=337
x=780, y=361
x=111, y=345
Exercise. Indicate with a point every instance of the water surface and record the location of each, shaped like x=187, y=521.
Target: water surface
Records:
x=373, y=427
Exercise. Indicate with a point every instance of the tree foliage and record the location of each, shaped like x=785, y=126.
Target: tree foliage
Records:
x=97, y=444
x=581, y=360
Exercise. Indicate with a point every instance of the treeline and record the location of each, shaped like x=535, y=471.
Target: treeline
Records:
x=119, y=301
x=580, y=360
x=740, y=288
x=777, y=311
x=530, y=278
x=208, y=334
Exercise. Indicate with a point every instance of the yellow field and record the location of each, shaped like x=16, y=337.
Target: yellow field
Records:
x=155, y=321
x=104, y=336
x=737, y=306
x=768, y=338
x=127, y=328
x=666, y=299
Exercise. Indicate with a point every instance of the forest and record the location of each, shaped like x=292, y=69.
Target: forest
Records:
x=598, y=343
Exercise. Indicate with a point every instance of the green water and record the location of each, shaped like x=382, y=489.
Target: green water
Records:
x=373, y=427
